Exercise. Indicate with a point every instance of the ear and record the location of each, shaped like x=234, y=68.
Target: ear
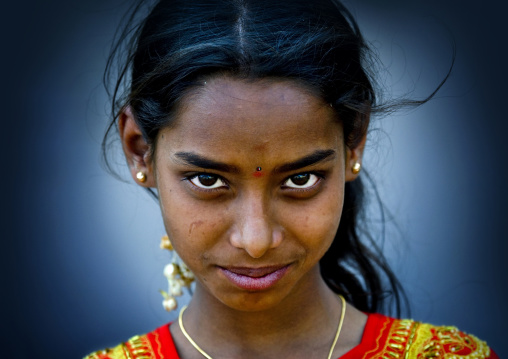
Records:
x=136, y=149
x=354, y=156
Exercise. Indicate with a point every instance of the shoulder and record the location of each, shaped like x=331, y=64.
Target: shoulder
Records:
x=157, y=344
x=383, y=337
x=405, y=338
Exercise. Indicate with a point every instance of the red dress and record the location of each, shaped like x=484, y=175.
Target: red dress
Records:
x=383, y=337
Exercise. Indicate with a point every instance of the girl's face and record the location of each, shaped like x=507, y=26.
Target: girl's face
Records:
x=251, y=182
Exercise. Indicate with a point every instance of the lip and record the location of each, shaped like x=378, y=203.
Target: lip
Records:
x=255, y=279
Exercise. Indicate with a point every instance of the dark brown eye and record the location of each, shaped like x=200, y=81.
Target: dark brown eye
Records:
x=302, y=180
x=206, y=180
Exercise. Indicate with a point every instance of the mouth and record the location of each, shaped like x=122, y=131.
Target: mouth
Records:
x=255, y=279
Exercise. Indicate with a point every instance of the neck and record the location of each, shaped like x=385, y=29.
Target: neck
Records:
x=308, y=317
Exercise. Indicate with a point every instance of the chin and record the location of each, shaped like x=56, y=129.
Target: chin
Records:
x=252, y=302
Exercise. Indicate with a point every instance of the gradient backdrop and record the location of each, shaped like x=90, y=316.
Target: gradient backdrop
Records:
x=80, y=259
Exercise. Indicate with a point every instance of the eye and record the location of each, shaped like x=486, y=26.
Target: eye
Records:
x=207, y=181
x=301, y=180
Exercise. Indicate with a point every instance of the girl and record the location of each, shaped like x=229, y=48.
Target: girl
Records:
x=249, y=119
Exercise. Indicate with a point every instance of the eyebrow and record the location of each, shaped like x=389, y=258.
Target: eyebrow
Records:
x=311, y=159
x=194, y=159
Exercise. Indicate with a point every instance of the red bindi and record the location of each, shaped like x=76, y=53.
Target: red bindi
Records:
x=258, y=172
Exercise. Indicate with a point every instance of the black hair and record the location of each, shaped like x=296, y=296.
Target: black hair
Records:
x=315, y=43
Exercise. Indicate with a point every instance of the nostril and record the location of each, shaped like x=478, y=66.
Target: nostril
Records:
x=278, y=237
x=235, y=239
x=256, y=238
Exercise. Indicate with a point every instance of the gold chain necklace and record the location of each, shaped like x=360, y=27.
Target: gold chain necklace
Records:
x=341, y=320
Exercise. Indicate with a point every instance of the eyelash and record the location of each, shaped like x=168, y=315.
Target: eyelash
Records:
x=206, y=189
x=319, y=178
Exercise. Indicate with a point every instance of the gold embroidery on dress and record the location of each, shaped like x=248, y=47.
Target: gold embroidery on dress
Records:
x=400, y=336
x=159, y=345
x=378, y=339
x=137, y=347
x=95, y=355
x=140, y=348
x=408, y=339
x=117, y=352
x=447, y=343
x=411, y=339
x=125, y=351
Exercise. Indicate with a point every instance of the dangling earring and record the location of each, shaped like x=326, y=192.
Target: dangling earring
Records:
x=178, y=275
x=357, y=167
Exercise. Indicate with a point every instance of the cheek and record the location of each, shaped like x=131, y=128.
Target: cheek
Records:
x=315, y=225
x=192, y=226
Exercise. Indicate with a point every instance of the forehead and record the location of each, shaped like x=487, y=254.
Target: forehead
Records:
x=243, y=115
x=269, y=91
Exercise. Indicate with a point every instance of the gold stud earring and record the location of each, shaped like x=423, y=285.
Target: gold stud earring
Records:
x=141, y=176
x=178, y=276
x=357, y=167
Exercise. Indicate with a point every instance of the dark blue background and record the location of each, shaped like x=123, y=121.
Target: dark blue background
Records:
x=80, y=260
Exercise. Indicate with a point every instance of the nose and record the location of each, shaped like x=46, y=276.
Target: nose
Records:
x=255, y=231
